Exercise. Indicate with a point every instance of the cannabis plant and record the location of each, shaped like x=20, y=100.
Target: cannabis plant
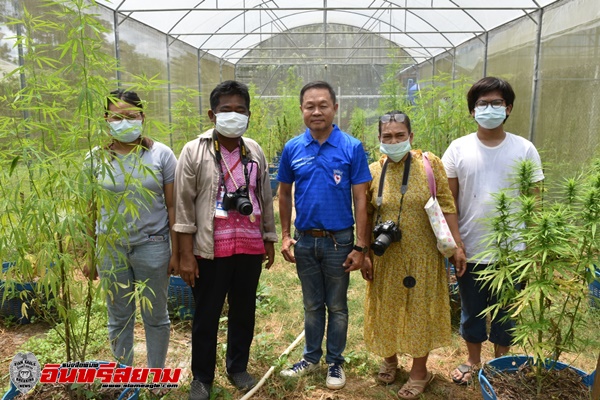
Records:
x=549, y=244
x=52, y=117
x=440, y=113
x=393, y=93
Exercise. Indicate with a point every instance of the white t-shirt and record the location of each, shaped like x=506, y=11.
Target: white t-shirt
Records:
x=483, y=171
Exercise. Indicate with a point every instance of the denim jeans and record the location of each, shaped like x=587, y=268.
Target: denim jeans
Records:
x=121, y=269
x=324, y=284
x=475, y=297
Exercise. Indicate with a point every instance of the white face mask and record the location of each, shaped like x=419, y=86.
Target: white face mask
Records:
x=489, y=117
x=395, y=151
x=126, y=131
x=231, y=124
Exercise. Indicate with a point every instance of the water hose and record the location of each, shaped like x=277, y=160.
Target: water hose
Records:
x=270, y=371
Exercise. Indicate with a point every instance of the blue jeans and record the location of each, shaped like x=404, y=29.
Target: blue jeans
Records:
x=121, y=269
x=324, y=284
x=475, y=297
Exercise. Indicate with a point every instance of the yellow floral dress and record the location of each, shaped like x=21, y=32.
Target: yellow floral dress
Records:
x=397, y=319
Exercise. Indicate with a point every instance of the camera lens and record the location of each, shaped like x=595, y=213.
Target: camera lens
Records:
x=243, y=205
x=382, y=242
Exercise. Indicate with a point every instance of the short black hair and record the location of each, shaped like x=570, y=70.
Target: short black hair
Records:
x=228, y=88
x=126, y=96
x=487, y=85
x=405, y=122
x=318, y=85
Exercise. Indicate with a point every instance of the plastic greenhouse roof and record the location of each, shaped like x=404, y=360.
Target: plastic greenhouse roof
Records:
x=229, y=29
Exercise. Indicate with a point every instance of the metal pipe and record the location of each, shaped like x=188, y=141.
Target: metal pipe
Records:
x=318, y=9
x=169, y=91
x=312, y=49
x=117, y=47
x=358, y=32
x=485, y=54
x=21, y=55
x=200, y=82
x=536, y=77
x=299, y=57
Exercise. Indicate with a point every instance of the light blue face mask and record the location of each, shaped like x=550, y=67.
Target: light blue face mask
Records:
x=489, y=117
x=395, y=151
x=126, y=131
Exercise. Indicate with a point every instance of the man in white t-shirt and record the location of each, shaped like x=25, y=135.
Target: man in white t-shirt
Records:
x=479, y=165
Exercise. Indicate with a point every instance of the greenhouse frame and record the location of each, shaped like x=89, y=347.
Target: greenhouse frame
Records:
x=547, y=49
x=74, y=181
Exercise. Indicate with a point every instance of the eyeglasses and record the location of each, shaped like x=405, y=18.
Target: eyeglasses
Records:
x=496, y=104
x=121, y=116
x=389, y=117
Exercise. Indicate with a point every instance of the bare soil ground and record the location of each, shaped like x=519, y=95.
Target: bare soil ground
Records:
x=272, y=337
x=279, y=320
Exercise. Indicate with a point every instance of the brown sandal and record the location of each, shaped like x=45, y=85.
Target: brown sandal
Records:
x=415, y=388
x=387, y=372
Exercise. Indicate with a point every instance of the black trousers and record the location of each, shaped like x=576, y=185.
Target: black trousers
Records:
x=237, y=277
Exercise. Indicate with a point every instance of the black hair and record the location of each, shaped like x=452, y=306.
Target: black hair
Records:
x=228, y=88
x=318, y=85
x=487, y=85
x=126, y=96
x=405, y=122
x=129, y=97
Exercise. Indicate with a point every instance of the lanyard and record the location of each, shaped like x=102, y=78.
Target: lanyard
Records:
x=243, y=158
x=403, y=188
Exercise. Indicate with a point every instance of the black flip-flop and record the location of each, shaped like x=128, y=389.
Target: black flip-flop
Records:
x=463, y=369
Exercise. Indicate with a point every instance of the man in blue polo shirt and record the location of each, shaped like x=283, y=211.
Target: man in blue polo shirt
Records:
x=330, y=170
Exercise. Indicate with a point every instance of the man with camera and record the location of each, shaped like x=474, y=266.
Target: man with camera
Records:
x=329, y=169
x=226, y=228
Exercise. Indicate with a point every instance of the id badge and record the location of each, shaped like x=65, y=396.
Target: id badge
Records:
x=220, y=212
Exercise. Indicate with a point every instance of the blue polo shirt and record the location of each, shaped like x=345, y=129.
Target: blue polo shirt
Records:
x=324, y=175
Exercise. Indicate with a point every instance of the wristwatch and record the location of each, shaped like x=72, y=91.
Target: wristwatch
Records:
x=363, y=250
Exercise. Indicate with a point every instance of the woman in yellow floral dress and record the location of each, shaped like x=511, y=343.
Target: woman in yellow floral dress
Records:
x=407, y=303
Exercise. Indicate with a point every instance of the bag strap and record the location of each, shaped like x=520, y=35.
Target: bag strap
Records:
x=430, y=177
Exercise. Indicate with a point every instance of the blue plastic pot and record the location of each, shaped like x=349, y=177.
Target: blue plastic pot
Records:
x=274, y=184
x=181, y=298
x=126, y=394
x=512, y=364
x=452, y=286
x=595, y=291
x=11, y=306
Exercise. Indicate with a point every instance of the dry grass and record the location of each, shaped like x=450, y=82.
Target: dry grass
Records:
x=279, y=319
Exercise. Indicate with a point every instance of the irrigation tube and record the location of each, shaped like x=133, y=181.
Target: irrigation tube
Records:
x=270, y=371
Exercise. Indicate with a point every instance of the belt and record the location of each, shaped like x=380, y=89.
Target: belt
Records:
x=318, y=233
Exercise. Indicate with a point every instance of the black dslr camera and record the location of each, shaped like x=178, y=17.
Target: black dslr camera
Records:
x=238, y=200
x=385, y=233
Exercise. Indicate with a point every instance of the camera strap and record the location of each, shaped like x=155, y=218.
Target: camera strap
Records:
x=243, y=157
x=403, y=188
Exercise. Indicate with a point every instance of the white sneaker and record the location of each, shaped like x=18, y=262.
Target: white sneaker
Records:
x=302, y=367
x=336, y=378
